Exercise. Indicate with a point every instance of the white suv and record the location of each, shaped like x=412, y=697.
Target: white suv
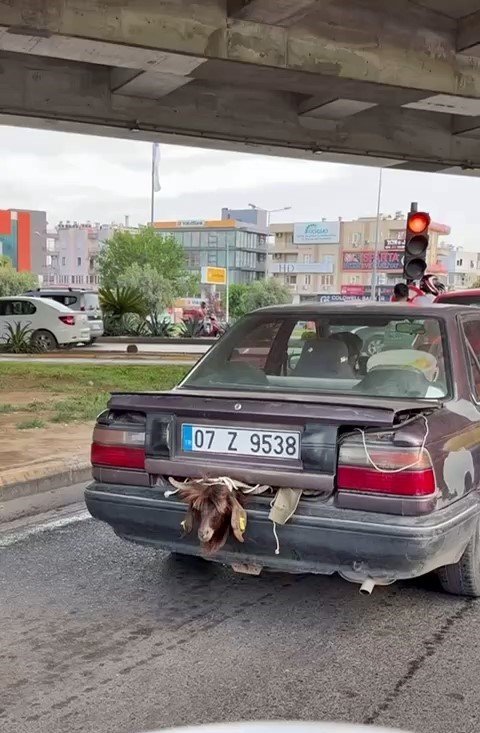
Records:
x=77, y=299
x=52, y=324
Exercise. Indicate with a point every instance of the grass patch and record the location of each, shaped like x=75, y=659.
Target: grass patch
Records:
x=85, y=388
x=80, y=409
x=72, y=377
x=31, y=424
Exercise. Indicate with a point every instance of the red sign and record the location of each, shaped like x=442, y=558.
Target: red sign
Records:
x=353, y=289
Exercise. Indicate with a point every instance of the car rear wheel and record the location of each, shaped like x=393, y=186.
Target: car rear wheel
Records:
x=463, y=578
x=44, y=341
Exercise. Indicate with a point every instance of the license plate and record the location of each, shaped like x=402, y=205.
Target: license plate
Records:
x=241, y=442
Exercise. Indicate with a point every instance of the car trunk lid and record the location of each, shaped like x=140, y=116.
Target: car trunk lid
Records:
x=273, y=439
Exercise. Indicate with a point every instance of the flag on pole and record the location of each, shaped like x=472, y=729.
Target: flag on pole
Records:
x=156, y=167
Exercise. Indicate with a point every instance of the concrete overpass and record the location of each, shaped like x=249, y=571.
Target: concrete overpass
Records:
x=392, y=83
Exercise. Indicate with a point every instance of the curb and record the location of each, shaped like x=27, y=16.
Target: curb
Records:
x=204, y=341
x=40, y=477
x=104, y=355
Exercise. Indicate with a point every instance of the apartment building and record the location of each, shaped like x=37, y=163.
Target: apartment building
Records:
x=463, y=268
x=72, y=251
x=305, y=257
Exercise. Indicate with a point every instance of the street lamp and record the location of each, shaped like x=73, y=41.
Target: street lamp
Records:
x=269, y=211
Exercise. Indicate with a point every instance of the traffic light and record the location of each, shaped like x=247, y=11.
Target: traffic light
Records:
x=416, y=245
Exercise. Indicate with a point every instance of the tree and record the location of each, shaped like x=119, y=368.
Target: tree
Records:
x=156, y=291
x=262, y=293
x=236, y=300
x=476, y=284
x=13, y=282
x=145, y=247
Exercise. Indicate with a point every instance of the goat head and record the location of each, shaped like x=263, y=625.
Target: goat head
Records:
x=216, y=508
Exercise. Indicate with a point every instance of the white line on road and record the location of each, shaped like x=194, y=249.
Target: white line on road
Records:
x=42, y=525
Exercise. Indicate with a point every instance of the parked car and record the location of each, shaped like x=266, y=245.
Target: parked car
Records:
x=365, y=467
x=461, y=297
x=52, y=324
x=85, y=301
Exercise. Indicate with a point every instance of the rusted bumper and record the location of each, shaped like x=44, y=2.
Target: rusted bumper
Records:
x=321, y=538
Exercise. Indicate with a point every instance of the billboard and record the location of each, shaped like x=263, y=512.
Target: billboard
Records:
x=316, y=232
x=386, y=261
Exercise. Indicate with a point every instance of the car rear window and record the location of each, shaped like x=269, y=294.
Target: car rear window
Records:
x=371, y=355
x=91, y=301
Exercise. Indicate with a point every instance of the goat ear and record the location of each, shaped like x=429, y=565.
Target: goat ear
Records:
x=239, y=520
x=187, y=524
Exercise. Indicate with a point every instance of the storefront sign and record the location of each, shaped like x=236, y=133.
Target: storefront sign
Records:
x=293, y=268
x=214, y=275
x=386, y=261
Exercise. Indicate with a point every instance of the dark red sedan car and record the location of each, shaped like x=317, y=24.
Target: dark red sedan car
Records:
x=341, y=462
x=460, y=297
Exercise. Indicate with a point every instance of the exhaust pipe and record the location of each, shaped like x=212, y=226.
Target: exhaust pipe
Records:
x=367, y=587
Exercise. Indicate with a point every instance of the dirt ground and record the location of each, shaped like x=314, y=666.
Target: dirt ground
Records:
x=20, y=447
x=47, y=412
x=30, y=445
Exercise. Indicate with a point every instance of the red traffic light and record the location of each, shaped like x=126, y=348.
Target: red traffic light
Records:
x=418, y=222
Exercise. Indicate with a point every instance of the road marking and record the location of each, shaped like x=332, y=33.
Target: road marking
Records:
x=49, y=525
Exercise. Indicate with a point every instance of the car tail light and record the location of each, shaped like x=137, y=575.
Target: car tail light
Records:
x=117, y=456
x=67, y=320
x=372, y=463
x=119, y=440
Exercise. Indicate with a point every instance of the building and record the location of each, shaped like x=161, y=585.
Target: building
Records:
x=328, y=258
x=238, y=245
x=358, y=249
x=463, y=268
x=305, y=257
x=257, y=217
x=23, y=238
x=72, y=251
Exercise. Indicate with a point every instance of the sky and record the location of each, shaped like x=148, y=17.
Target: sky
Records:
x=80, y=178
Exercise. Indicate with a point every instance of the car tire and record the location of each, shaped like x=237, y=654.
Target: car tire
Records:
x=91, y=342
x=44, y=341
x=463, y=577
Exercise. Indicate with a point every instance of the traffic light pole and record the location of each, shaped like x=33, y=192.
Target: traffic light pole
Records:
x=377, y=235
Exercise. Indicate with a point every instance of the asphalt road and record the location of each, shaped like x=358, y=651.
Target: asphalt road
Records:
x=99, y=636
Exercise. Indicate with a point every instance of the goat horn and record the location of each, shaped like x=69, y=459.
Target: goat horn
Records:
x=178, y=484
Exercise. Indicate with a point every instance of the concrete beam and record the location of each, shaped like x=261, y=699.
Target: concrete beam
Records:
x=468, y=35
x=66, y=95
x=281, y=12
x=401, y=45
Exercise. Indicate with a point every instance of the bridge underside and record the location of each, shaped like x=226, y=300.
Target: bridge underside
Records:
x=392, y=83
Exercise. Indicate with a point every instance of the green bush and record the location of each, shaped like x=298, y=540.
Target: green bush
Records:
x=18, y=339
x=191, y=328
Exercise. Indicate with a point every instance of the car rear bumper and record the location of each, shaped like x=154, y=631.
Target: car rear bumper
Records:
x=320, y=538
